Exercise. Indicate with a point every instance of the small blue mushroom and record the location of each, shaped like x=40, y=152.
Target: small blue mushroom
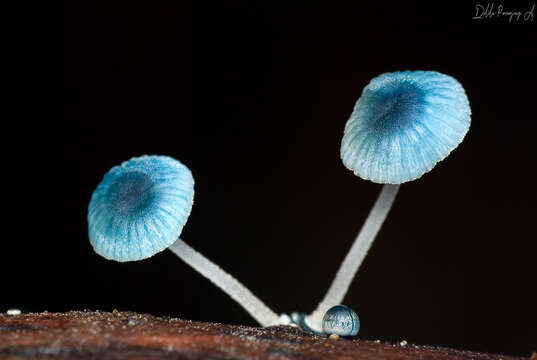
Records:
x=403, y=124
x=341, y=320
x=140, y=208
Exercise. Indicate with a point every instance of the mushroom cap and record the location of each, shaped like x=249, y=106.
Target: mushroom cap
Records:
x=403, y=124
x=341, y=320
x=140, y=208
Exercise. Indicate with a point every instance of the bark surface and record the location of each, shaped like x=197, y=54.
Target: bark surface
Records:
x=128, y=335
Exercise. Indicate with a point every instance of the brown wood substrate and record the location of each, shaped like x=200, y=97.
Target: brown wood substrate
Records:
x=127, y=335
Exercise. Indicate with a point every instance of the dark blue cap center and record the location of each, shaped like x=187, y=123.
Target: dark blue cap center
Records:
x=394, y=107
x=131, y=193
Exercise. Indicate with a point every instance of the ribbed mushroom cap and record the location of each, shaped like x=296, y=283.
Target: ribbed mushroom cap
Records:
x=341, y=320
x=140, y=208
x=403, y=124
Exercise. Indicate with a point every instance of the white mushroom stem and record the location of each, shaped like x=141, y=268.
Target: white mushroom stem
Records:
x=356, y=255
x=238, y=292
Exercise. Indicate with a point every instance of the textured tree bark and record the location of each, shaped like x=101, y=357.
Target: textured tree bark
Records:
x=127, y=335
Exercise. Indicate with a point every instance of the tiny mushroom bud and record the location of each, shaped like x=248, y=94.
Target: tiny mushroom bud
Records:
x=341, y=320
x=402, y=125
x=140, y=208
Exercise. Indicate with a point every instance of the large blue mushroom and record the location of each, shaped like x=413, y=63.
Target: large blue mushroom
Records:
x=402, y=125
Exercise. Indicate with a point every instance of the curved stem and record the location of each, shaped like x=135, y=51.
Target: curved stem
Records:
x=355, y=256
x=238, y=292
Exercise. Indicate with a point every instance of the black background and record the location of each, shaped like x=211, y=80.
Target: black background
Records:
x=253, y=98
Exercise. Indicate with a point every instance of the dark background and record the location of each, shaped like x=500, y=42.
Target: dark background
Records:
x=253, y=98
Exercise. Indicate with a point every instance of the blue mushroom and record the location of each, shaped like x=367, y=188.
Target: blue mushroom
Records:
x=341, y=320
x=140, y=208
x=403, y=124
